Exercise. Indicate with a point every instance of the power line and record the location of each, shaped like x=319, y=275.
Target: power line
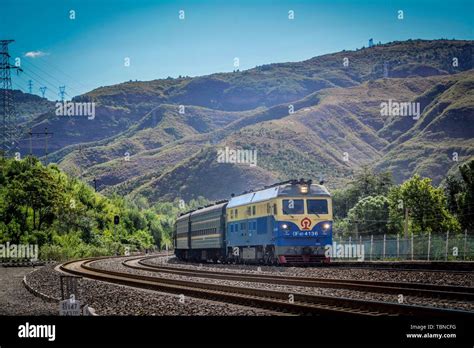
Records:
x=22, y=87
x=29, y=74
x=71, y=79
x=51, y=76
x=19, y=82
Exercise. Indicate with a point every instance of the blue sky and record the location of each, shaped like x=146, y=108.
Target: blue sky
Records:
x=90, y=50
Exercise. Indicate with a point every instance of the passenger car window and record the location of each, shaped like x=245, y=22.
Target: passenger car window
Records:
x=293, y=206
x=317, y=206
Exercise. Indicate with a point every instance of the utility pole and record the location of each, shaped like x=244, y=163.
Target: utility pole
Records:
x=465, y=242
x=30, y=86
x=43, y=91
x=46, y=134
x=405, y=227
x=9, y=130
x=62, y=92
x=405, y=230
x=31, y=142
x=82, y=156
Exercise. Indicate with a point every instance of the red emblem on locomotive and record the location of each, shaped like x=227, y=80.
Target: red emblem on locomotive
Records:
x=306, y=223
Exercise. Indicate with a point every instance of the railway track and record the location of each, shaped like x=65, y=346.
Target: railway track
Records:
x=276, y=301
x=462, y=267
x=413, y=289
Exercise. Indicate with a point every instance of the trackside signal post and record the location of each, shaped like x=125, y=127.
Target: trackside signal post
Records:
x=116, y=222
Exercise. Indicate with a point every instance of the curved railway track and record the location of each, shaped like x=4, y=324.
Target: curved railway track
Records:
x=466, y=267
x=276, y=301
x=413, y=289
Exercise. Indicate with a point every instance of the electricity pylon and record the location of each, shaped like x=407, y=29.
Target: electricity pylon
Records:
x=9, y=130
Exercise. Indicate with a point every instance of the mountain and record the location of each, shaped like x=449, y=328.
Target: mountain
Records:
x=29, y=106
x=317, y=118
x=274, y=84
x=312, y=142
x=441, y=139
x=120, y=106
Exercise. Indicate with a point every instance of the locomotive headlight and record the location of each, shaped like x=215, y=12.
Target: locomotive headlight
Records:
x=284, y=226
x=326, y=226
x=304, y=189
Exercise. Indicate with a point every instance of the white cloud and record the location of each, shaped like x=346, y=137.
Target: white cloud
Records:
x=35, y=54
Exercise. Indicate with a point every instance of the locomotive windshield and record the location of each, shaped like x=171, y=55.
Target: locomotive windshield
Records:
x=317, y=206
x=293, y=206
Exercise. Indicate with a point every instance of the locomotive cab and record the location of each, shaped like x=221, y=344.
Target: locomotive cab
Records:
x=289, y=222
x=303, y=224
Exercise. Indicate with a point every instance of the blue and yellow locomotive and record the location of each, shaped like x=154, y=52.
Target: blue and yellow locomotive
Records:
x=289, y=222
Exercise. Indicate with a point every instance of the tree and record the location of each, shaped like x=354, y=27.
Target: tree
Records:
x=453, y=187
x=426, y=205
x=65, y=216
x=343, y=200
x=370, y=215
x=366, y=183
x=369, y=183
x=466, y=199
x=31, y=194
x=460, y=195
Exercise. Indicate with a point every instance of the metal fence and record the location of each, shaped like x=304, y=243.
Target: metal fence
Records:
x=427, y=247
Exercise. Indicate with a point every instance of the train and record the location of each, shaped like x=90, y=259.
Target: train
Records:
x=285, y=223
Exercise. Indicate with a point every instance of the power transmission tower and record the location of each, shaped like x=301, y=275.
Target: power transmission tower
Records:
x=62, y=92
x=43, y=90
x=9, y=130
x=30, y=86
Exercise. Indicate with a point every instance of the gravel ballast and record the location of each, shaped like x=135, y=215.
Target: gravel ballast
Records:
x=116, y=265
x=427, y=277
x=15, y=299
x=114, y=299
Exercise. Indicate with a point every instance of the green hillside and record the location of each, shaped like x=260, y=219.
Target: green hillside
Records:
x=317, y=118
x=123, y=105
x=311, y=142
